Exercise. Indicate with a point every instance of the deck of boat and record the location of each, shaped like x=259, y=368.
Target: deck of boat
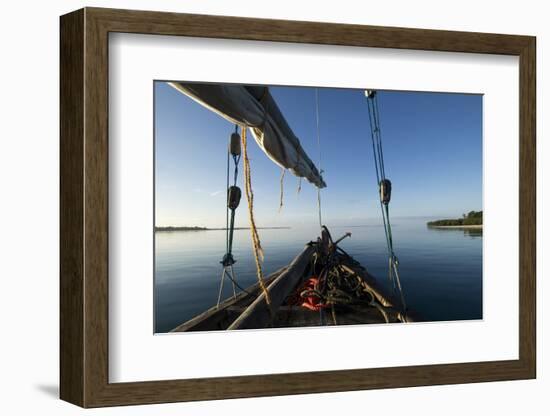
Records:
x=295, y=316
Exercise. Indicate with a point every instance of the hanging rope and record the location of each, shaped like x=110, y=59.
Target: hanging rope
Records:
x=256, y=245
x=283, y=170
x=385, y=193
x=319, y=147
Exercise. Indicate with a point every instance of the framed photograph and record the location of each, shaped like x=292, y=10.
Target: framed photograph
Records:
x=256, y=207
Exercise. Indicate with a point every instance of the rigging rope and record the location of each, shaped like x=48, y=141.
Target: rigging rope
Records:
x=233, y=197
x=319, y=146
x=385, y=190
x=256, y=245
x=227, y=199
x=236, y=283
x=236, y=160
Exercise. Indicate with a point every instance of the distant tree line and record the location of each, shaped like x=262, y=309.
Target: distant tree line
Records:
x=185, y=228
x=471, y=218
x=180, y=228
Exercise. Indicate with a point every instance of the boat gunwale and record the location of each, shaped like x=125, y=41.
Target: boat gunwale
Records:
x=270, y=309
x=227, y=303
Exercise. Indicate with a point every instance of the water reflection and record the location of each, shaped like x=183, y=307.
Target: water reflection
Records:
x=468, y=232
x=440, y=268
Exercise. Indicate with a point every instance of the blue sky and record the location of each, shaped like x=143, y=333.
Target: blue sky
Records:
x=432, y=149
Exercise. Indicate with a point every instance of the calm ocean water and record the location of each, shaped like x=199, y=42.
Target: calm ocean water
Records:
x=440, y=269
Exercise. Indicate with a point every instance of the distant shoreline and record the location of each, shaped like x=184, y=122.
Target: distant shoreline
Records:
x=475, y=226
x=164, y=229
x=474, y=219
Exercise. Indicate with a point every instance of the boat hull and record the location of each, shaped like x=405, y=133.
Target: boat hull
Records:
x=250, y=310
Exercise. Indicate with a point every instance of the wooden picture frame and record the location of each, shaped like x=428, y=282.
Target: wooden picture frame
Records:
x=84, y=207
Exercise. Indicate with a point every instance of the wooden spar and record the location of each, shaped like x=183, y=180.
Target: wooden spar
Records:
x=258, y=314
x=209, y=318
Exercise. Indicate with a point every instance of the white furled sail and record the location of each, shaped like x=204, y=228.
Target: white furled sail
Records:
x=255, y=108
